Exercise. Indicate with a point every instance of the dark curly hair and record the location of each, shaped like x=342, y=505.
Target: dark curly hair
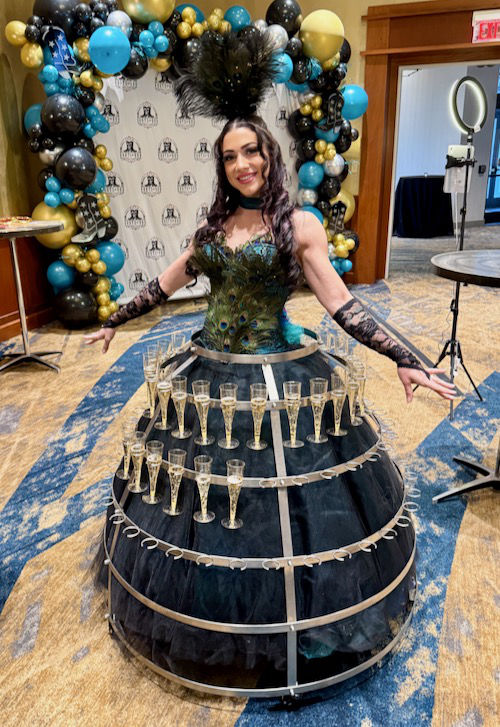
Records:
x=277, y=206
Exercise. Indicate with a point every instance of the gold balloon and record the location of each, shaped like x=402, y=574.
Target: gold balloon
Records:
x=14, y=32
x=205, y=25
x=55, y=240
x=99, y=267
x=160, y=64
x=348, y=200
x=106, y=212
x=225, y=27
x=341, y=251
x=322, y=34
x=319, y=159
x=317, y=115
x=103, y=198
x=306, y=109
x=339, y=238
x=86, y=79
x=354, y=151
x=197, y=30
x=329, y=153
x=83, y=265
x=144, y=11
x=189, y=15
x=350, y=243
x=351, y=184
x=103, y=312
x=320, y=146
x=93, y=255
x=103, y=299
x=71, y=253
x=103, y=285
x=97, y=84
x=113, y=306
x=81, y=48
x=72, y=205
x=32, y=55
x=106, y=164
x=316, y=101
x=219, y=12
x=100, y=151
x=213, y=22
x=325, y=222
x=328, y=235
x=328, y=64
x=183, y=30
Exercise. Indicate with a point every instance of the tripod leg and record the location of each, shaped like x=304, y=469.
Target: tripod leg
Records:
x=476, y=466
x=460, y=358
x=480, y=484
x=443, y=353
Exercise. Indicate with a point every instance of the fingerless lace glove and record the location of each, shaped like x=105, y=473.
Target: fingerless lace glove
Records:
x=150, y=296
x=359, y=324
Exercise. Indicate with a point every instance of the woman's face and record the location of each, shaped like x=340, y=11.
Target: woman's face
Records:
x=243, y=163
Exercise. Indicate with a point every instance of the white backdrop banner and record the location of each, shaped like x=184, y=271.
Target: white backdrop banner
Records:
x=163, y=178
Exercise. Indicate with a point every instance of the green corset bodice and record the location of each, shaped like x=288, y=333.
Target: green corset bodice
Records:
x=247, y=296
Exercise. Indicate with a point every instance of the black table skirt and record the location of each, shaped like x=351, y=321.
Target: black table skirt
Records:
x=421, y=208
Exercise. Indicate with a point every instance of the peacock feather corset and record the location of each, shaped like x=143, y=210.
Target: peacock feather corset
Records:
x=248, y=293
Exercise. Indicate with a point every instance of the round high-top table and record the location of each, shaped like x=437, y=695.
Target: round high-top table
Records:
x=26, y=229
x=475, y=267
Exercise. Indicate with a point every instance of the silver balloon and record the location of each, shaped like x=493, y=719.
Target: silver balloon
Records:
x=119, y=19
x=307, y=197
x=333, y=167
x=278, y=37
x=100, y=101
x=306, y=97
x=260, y=24
x=49, y=157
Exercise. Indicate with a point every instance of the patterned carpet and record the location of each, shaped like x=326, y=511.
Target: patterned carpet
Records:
x=59, y=444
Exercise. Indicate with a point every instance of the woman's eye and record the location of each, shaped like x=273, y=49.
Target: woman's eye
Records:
x=253, y=150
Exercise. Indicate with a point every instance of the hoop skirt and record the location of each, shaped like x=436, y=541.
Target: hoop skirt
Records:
x=319, y=581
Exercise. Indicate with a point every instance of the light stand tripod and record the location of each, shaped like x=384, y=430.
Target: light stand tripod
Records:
x=452, y=346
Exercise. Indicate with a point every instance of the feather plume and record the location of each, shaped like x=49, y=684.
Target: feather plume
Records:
x=229, y=77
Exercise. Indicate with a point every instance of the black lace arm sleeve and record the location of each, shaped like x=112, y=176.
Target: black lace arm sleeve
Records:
x=359, y=324
x=150, y=296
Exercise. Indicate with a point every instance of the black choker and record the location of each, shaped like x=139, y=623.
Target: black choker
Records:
x=251, y=203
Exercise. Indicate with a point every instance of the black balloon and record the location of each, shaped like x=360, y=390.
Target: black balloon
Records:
x=329, y=187
x=174, y=20
x=63, y=113
x=56, y=12
x=248, y=31
x=111, y=228
x=49, y=143
x=86, y=96
x=345, y=51
x=345, y=128
x=43, y=175
x=138, y=63
x=137, y=29
x=172, y=39
x=342, y=144
x=301, y=69
x=101, y=11
x=294, y=48
x=89, y=279
x=350, y=235
x=36, y=131
x=292, y=124
x=319, y=84
x=33, y=34
x=85, y=143
x=305, y=125
x=343, y=174
x=80, y=30
x=354, y=134
x=186, y=53
x=76, y=308
x=83, y=12
x=285, y=13
x=324, y=207
x=96, y=23
x=34, y=145
x=76, y=168
x=35, y=20
x=306, y=150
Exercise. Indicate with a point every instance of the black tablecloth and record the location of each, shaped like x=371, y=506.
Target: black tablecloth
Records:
x=421, y=208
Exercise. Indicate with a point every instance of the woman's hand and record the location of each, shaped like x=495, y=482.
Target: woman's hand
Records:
x=104, y=334
x=410, y=377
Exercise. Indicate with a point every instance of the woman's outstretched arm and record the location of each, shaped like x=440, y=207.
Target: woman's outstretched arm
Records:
x=348, y=312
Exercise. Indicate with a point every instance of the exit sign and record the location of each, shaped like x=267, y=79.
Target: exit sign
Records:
x=486, y=26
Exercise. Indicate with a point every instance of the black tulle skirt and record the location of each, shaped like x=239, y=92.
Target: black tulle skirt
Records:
x=375, y=585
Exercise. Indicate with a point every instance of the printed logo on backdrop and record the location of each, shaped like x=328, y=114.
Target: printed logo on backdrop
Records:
x=114, y=185
x=138, y=279
x=155, y=248
x=150, y=184
x=281, y=118
x=170, y=216
x=218, y=123
x=123, y=246
x=185, y=243
x=135, y=218
x=111, y=113
x=167, y=150
x=186, y=184
x=128, y=84
x=147, y=115
x=203, y=150
x=292, y=148
x=183, y=121
x=130, y=151
x=162, y=83
x=201, y=213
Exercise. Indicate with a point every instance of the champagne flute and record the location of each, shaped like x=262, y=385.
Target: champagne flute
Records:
x=178, y=341
x=164, y=390
x=203, y=469
x=154, y=452
x=201, y=394
x=176, y=460
x=258, y=399
x=179, y=397
x=228, y=406
x=341, y=345
x=128, y=429
x=317, y=388
x=235, y=469
x=338, y=398
x=292, y=395
x=359, y=375
x=137, y=451
x=163, y=351
x=352, y=396
x=150, y=366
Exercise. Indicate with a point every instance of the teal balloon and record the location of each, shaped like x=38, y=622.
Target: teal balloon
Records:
x=328, y=135
x=49, y=74
x=66, y=85
x=200, y=17
x=282, y=67
x=99, y=183
x=314, y=210
x=52, y=199
x=116, y=290
x=89, y=130
x=297, y=87
x=346, y=265
x=52, y=184
x=66, y=195
x=311, y=175
x=32, y=116
x=109, y=49
x=51, y=88
x=161, y=43
x=60, y=275
x=147, y=39
x=151, y=52
x=355, y=101
x=238, y=16
x=47, y=56
x=155, y=27
x=112, y=254
x=100, y=123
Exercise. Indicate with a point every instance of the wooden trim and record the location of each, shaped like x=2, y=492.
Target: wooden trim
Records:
x=10, y=324
x=429, y=48
x=434, y=7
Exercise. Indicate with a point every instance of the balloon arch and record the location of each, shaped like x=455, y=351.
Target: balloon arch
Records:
x=74, y=45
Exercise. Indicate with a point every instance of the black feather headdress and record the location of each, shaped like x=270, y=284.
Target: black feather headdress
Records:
x=229, y=77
